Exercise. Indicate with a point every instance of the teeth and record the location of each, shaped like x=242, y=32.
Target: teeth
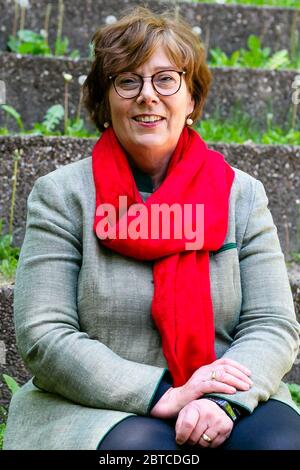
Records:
x=147, y=118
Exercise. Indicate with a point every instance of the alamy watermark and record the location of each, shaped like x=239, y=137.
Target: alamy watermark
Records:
x=159, y=221
x=296, y=93
x=2, y=92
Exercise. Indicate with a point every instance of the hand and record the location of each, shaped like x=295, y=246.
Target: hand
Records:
x=202, y=416
x=230, y=376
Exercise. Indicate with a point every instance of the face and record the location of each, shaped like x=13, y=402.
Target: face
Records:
x=156, y=140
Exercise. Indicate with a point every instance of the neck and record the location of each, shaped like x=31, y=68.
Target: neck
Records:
x=155, y=168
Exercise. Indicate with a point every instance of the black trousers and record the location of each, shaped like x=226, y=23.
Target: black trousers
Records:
x=273, y=425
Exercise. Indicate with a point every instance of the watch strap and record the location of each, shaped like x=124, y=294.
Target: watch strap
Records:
x=233, y=412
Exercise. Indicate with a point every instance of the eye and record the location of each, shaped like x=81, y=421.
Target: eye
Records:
x=127, y=81
x=166, y=79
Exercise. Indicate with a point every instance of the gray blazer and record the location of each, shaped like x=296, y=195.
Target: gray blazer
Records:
x=83, y=315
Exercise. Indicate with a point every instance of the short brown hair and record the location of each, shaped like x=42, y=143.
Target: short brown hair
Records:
x=129, y=43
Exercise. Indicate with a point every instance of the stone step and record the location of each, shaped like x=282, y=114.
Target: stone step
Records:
x=12, y=365
x=38, y=83
x=277, y=166
x=226, y=26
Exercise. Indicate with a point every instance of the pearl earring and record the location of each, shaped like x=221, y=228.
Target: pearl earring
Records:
x=189, y=121
x=106, y=124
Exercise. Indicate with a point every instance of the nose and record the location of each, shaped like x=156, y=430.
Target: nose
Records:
x=147, y=94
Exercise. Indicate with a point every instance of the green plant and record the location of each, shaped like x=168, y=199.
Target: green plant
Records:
x=9, y=255
x=295, y=392
x=240, y=128
x=52, y=119
x=218, y=58
x=3, y=416
x=30, y=42
x=14, y=114
x=26, y=41
x=11, y=384
x=73, y=127
x=13, y=387
x=22, y=5
x=279, y=136
x=237, y=128
x=255, y=56
x=295, y=257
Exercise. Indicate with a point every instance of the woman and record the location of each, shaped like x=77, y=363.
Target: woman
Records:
x=139, y=341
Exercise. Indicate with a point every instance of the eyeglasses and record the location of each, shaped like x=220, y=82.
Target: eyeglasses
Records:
x=129, y=85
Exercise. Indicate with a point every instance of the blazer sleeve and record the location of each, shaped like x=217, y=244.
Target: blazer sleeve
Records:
x=266, y=339
x=164, y=385
x=63, y=359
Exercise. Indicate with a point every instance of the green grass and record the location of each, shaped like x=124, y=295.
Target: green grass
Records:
x=240, y=128
x=260, y=3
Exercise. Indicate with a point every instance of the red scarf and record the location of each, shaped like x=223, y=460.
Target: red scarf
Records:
x=182, y=307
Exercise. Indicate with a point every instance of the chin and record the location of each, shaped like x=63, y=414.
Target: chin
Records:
x=151, y=139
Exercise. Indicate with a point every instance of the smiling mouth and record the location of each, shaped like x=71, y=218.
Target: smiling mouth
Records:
x=149, y=119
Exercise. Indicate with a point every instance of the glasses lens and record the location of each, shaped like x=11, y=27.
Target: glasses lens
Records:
x=127, y=84
x=167, y=82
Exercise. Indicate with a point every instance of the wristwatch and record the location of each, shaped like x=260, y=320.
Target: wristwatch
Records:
x=229, y=409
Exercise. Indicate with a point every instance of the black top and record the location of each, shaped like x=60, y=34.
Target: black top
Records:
x=143, y=180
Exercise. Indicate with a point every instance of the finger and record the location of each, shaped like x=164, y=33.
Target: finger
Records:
x=237, y=373
x=197, y=432
x=208, y=433
x=210, y=386
x=179, y=420
x=218, y=441
x=185, y=426
x=221, y=437
x=226, y=360
x=222, y=376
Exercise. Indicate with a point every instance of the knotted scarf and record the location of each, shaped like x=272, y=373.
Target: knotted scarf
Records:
x=181, y=306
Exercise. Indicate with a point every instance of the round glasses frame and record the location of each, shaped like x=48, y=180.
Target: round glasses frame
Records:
x=141, y=77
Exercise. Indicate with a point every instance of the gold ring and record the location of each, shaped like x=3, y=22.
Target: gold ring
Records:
x=206, y=438
x=213, y=375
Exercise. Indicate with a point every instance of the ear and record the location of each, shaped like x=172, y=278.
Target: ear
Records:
x=190, y=106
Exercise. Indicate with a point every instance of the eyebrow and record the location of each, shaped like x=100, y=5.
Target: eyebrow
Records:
x=168, y=67
x=164, y=67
